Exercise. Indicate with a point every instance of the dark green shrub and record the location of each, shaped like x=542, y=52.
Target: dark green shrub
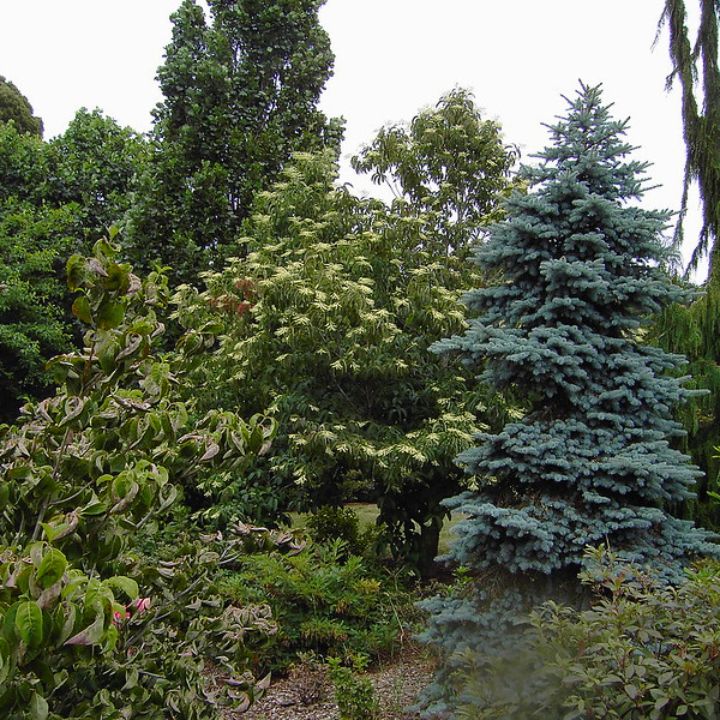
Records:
x=328, y=524
x=323, y=601
x=252, y=495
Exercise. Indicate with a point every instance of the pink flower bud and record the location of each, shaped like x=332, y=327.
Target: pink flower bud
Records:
x=142, y=604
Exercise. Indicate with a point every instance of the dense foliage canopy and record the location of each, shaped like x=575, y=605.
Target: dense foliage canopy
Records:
x=84, y=472
x=56, y=198
x=15, y=107
x=326, y=323
x=506, y=349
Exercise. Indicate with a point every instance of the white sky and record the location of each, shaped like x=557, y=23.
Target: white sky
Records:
x=393, y=57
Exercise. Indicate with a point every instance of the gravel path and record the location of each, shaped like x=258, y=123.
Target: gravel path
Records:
x=306, y=696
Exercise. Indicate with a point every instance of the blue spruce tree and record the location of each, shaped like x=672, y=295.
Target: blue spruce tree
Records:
x=580, y=269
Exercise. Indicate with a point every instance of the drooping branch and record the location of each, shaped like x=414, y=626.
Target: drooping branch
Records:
x=701, y=131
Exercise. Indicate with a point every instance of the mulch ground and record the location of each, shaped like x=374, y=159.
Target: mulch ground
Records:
x=305, y=696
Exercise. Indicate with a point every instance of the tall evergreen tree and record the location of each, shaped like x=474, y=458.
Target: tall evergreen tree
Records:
x=240, y=95
x=694, y=331
x=590, y=462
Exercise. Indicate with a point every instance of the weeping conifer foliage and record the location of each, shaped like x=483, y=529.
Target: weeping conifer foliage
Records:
x=694, y=331
x=696, y=68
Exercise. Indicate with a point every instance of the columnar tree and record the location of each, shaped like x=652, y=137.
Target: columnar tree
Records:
x=590, y=462
x=240, y=89
x=694, y=331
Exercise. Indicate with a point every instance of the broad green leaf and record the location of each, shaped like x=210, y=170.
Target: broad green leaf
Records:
x=4, y=660
x=61, y=526
x=38, y=707
x=126, y=584
x=92, y=634
x=110, y=314
x=122, y=485
x=76, y=271
x=68, y=623
x=29, y=623
x=104, y=249
x=131, y=679
x=111, y=637
x=256, y=440
x=81, y=310
x=51, y=568
x=118, y=278
x=94, y=507
x=9, y=632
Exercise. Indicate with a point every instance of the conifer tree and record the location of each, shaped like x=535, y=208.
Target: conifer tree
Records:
x=694, y=331
x=590, y=462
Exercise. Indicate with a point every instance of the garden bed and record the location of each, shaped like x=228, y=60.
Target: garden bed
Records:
x=396, y=684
